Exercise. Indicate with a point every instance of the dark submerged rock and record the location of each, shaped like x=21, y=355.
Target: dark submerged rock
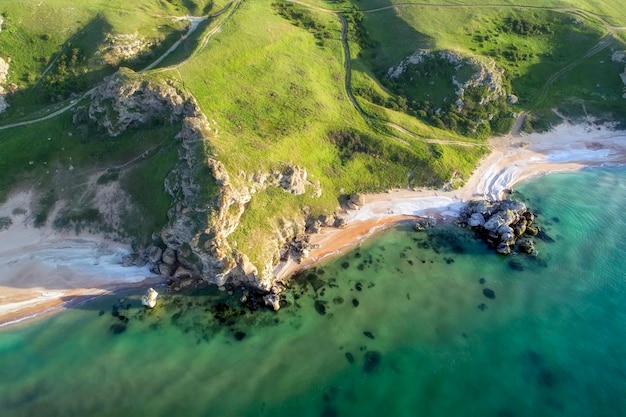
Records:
x=118, y=328
x=489, y=293
x=329, y=411
x=544, y=237
x=369, y=334
x=350, y=357
x=547, y=378
x=371, y=361
x=320, y=307
x=239, y=336
x=355, y=302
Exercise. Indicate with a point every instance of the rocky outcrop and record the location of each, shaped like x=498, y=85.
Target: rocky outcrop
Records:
x=149, y=299
x=289, y=177
x=201, y=219
x=207, y=204
x=501, y=223
x=122, y=47
x=4, y=75
x=469, y=72
x=125, y=100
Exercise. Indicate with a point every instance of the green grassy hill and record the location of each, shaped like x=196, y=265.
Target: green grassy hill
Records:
x=272, y=79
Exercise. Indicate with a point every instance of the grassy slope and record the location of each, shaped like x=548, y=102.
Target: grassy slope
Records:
x=35, y=33
x=611, y=10
x=595, y=80
x=275, y=95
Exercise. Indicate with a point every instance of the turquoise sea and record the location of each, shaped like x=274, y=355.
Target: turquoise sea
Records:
x=409, y=324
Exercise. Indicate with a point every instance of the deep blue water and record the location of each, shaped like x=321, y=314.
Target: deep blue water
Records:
x=401, y=326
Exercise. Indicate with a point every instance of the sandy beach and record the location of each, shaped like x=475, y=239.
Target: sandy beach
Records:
x=512, y=159
x=41, y=269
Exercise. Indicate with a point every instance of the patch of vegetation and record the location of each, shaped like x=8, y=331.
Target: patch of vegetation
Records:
x=78, y=219
x=65, y=79
x=357, y=30
x=5, y=223
x=300, y=16
x=145, y=184
x=524, y=27
x=45, y=204
x=108, y=177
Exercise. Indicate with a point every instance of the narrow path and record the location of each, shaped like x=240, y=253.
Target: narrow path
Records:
x=519, y=122
x=582, y=12
x=600, y=46
x=195, y=22
x=348, y=84
x=604, y=43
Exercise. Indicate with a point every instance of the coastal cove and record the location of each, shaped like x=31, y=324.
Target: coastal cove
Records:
x=46, y=282
x=407, y=323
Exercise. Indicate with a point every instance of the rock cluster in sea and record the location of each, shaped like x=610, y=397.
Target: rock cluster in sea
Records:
x=503, y=224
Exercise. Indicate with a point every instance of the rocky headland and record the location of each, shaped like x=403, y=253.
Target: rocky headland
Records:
x=207, y=205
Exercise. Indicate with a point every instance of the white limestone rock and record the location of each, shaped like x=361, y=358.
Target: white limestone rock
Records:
x=149, y=298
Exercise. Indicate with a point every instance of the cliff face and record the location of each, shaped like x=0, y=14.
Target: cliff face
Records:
x=125, y=101
x=206, y=206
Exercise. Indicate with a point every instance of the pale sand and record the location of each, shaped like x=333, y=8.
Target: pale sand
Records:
x=512, y=159
x=41, y=269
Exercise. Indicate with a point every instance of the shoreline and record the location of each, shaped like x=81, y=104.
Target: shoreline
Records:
x=43, y=271
x=513, y=159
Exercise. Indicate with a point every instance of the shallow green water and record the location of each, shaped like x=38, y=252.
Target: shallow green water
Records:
x=400, y=327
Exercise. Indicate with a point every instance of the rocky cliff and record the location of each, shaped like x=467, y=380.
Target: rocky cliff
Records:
x=468, y=72
x=125, y=100
x=206, y=205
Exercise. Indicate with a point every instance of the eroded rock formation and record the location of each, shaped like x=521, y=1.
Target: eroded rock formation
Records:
x=125, y=100
x=469, y=72
x=207, y=205
x=501, y=224
x=4, y=75
x=149, y=299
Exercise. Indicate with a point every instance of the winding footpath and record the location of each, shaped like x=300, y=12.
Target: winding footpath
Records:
x=194, y=23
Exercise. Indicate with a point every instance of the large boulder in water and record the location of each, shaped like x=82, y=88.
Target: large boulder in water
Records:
x=149, y=298
x=527, y=246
